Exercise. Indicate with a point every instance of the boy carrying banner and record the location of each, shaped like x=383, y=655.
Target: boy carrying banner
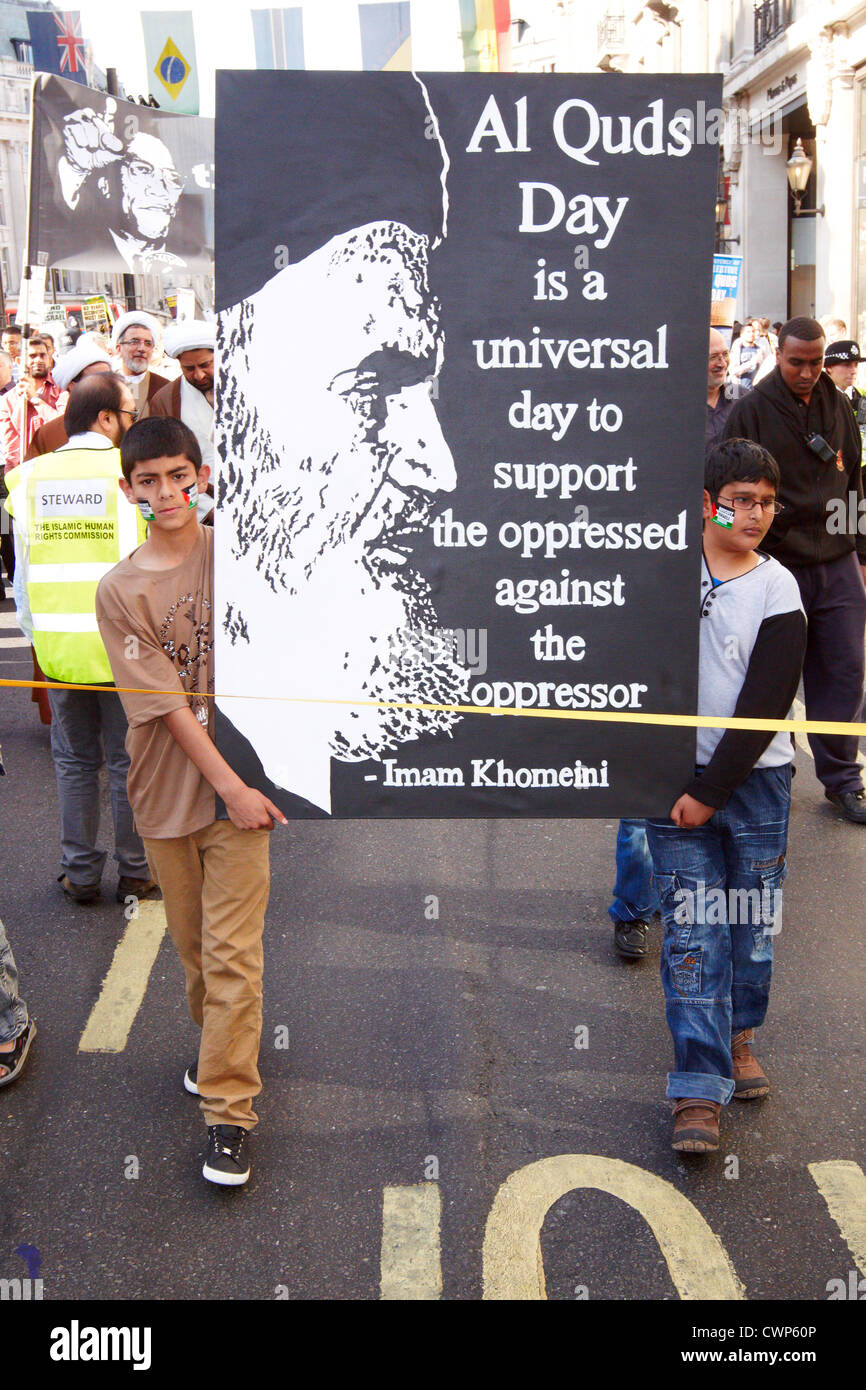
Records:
x=720, y=859
x=155, y=614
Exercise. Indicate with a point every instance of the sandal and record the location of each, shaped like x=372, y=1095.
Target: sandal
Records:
x=12, y=1063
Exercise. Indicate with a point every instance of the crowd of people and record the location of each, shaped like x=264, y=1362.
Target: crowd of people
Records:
x=108, y=467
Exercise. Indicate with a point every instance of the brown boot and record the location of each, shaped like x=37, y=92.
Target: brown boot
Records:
x=749, y=1080
x=696, y=1125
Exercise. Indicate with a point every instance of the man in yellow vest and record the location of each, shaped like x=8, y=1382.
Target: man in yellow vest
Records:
x=72, y=525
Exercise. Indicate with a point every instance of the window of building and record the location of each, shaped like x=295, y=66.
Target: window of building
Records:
x=23, y=51
x=772, y=18
x=14, y=95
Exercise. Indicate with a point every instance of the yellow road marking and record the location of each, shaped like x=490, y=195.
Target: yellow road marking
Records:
x=123, y=988
x=411, y=1257
x=843, y=1186
x=512, y=1265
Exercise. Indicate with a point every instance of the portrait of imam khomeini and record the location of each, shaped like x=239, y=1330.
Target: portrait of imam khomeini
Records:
x=331, y=461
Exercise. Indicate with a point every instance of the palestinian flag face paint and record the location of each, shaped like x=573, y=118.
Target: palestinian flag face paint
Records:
x=723, y=516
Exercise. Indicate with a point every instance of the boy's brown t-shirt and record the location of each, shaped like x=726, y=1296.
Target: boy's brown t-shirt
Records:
x=157, y=626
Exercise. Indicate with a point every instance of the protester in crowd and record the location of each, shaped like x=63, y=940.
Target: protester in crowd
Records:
x=833, y=328
x=721, y=394
x=7, y=549
x=213, y=872
x=84, y=360
x=746, y=356
x=6, y=380
x=800, y=416
x=17, y=1028
x=766, y=340
x=29, y=404
x=47, y=335
x=841, y=361
x=10, y=341
x=87, y=727
x=190, y=396
x=136, y=339
x=719, y=859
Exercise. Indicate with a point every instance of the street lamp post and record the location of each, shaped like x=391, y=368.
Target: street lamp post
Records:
x=799, y=168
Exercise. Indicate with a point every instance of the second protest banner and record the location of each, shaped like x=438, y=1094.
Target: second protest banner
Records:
x=463, y=334
x=117, y=187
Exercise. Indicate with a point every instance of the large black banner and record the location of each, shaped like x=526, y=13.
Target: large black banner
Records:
x=118, y=187
x=462, y=329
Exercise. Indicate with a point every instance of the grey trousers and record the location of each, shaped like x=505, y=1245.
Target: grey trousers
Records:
x=13, y=1010
x=83, y=724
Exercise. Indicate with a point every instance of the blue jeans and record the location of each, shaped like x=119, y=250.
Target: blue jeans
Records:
x=720, y=888
x=13, y=1010
x=634, y=893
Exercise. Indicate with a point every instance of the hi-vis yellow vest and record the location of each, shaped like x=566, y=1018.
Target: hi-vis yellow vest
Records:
x=75, y=525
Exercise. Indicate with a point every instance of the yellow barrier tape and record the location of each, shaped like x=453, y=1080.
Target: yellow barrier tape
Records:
x=694, y=721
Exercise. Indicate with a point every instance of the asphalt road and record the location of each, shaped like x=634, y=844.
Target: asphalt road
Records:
x=439, y=1054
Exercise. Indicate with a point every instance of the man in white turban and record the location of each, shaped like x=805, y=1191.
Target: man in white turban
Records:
x=190, y=397
x=135, y=337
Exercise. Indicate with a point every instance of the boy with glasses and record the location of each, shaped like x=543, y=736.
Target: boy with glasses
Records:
x=719, y=860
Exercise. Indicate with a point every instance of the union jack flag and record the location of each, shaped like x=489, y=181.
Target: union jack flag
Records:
x=57, y=43
x=70, y=42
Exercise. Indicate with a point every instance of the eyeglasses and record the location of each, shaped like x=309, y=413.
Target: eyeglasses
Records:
x=742, y=503
x=136, y=342
x=171, y=180
x=133, y=413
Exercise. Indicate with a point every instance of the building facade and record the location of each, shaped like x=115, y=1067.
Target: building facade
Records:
x=65, y=287
x=793, y=70
x=797, y=72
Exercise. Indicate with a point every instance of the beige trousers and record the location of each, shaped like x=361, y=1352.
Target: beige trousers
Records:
x=215, y=886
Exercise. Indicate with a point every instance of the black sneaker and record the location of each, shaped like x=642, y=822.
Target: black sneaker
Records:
x=226, y=1162
x=851, y=804
x=190, y=1080
x=630, y=938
